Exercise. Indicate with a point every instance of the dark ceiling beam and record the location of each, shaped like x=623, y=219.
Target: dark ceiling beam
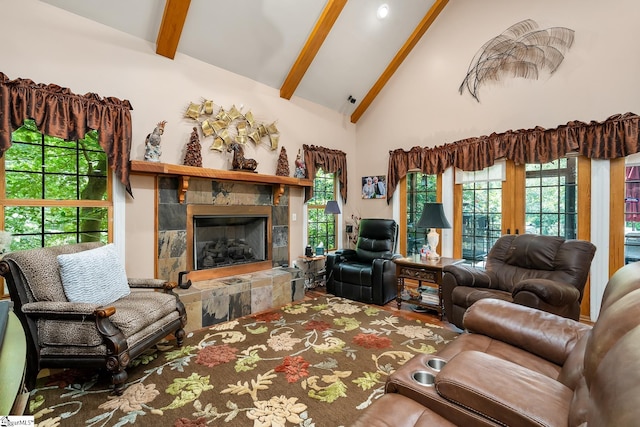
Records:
x=324, y=24
x=404, y=51
x=175, y=13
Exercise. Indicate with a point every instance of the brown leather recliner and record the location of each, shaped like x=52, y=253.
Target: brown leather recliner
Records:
x=545, y=272
x=522, y=366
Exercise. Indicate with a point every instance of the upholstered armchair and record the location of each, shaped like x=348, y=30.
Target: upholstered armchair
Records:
x=544, y=272
x=366, y=273
x=79, y=309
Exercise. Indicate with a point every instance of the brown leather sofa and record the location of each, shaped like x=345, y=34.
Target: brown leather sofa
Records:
x=545, y=272
x=519, y=366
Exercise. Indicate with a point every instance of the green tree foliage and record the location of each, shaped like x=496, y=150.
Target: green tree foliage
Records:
x=421, y=189
x=42, y=167
x=321, y=226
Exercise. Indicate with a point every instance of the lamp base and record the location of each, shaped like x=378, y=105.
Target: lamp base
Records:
x=433, y=238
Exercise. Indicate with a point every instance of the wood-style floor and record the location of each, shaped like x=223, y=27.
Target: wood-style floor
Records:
x=405, y=311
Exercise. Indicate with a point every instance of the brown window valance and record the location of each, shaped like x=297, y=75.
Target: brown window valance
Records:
x=612, y=138
x=330, y=161
x=59, y=112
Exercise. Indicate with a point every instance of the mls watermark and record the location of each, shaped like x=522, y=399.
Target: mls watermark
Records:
x=17, y=421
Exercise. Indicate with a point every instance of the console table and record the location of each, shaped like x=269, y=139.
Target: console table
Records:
x=422, y=270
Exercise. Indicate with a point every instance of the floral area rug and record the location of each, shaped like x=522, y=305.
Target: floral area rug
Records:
x=314, y=363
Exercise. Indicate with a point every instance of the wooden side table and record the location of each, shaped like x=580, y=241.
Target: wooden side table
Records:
x=422, y=270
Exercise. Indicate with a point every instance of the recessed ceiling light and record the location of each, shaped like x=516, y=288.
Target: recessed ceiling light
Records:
x=383, y=11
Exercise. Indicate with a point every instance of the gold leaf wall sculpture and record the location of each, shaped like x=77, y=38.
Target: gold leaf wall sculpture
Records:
x=231, y=125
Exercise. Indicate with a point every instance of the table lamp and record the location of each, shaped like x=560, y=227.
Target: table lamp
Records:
x=332, y=207
x=432, y=218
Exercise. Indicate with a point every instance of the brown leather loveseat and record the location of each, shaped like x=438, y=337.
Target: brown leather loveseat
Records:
x=519, y=366
x=545, y=272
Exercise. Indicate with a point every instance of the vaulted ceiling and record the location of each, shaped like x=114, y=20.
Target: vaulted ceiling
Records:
x=336, y=53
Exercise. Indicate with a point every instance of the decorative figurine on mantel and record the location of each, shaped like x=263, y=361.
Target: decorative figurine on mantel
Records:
x=193, y=155
x=239, y=162
x=152, y=144
x=301, y=167
x=283, y=163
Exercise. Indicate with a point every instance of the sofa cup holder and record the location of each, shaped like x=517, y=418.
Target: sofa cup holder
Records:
x=436, y=364
x=424, y=378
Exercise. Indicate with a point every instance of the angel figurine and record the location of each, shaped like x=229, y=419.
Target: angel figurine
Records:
x=152, y=151
x=301, y=168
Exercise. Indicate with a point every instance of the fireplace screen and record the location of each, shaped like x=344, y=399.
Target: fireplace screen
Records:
x=221, y=241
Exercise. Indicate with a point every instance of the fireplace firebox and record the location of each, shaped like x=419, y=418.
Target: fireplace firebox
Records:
x=226, y=240
x=220, y=241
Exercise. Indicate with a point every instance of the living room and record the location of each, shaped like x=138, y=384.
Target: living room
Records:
x=419, y=106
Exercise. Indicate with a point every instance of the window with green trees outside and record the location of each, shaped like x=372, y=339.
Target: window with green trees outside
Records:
x=321, y=227
x=421, y=189
x=55, y=192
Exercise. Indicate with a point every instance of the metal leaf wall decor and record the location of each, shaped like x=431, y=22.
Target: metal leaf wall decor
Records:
x=231, y=125
x=522, y=50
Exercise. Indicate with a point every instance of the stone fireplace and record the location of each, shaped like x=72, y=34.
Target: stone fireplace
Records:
x=248, y=274
x=220, y=205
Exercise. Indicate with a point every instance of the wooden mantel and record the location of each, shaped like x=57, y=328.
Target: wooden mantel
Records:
x=184, y=173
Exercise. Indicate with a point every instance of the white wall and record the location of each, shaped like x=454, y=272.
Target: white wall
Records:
x=49, y=45
x=421, y=105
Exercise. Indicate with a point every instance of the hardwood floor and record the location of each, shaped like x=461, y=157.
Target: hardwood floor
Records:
x=406, y=310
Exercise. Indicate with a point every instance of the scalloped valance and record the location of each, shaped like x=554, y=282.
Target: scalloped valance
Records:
x=59, y=112
x=330, y=161
x=610, y=139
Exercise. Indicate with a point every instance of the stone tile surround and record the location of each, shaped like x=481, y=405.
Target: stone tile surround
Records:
x=218, y=300
x=172, y=218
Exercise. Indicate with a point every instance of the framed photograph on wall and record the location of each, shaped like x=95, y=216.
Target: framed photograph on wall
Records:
x=374, y=187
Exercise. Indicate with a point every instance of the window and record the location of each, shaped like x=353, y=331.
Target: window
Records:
x=552, y=198
x=321, y=227
x=481, y=218
x=421, y=189
x=55, y=192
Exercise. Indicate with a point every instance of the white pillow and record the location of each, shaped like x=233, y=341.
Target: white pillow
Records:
x=95, y=276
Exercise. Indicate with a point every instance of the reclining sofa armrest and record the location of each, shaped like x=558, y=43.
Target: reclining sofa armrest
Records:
x=503, y=391
x=341, y=255
x=390, y=256
x=552, y=292
x=467, y=275
x=544, y=334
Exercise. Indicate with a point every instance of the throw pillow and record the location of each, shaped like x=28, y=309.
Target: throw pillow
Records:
x=95, y=276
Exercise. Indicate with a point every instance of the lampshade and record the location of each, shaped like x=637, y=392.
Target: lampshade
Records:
x=433, y=217
x=332, y=207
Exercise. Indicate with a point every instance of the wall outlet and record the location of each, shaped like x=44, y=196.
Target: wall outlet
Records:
x=294, y=217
